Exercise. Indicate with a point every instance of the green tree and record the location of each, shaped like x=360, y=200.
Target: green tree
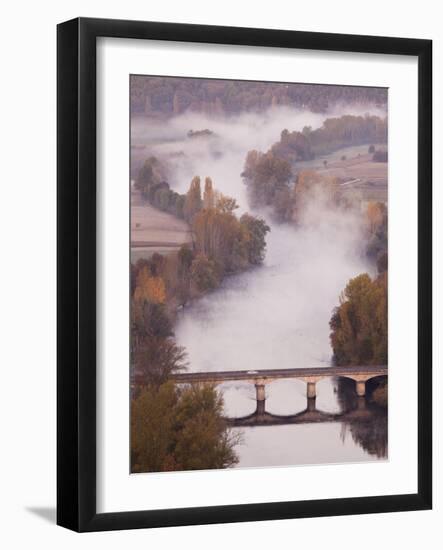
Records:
x=204, y=273
x=180, y=429
x=204, y=440
x=256, y=239
x=360, y=323
x=151, y=174
x=152, y=429
x=185, y=258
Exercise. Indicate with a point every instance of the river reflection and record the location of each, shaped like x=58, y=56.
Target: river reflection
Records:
x=372, y=436
x=337, y=426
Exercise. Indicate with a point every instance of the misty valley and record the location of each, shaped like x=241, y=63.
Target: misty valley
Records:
x=259, y=262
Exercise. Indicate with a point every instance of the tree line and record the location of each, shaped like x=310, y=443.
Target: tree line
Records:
x=359, y=324
x=152, y=183
x=176, y=428
x=272, y=178
x=346, y=131
x=172, y=427
x=271, y=183
x=228, y=243
x=167, y=96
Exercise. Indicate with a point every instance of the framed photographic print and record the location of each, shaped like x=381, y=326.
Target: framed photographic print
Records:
x=244, y=274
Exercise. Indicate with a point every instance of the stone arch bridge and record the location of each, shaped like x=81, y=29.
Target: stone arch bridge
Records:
x=310, y=375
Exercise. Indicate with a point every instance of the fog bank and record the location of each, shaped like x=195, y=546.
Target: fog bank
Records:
x=275, y=316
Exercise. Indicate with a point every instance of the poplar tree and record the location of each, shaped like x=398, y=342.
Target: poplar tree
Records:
x=193, y=201
x=208, y=195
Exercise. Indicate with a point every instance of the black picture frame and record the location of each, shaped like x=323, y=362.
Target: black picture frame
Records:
x=76, y=266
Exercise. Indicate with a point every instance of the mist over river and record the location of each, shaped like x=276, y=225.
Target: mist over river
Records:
x=276, y=315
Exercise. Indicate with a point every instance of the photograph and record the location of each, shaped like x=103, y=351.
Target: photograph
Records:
x=258, y=273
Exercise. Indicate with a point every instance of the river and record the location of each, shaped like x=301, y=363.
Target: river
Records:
x=277, y=315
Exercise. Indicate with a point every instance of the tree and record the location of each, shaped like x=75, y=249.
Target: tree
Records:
x=376, y=213
x=283, y=204
x=156, y=359
x=382, y=262
x=151, y=174
x=377, y=216
x=162, y=198
x=179, y=206
x=173, y=429
x=204, y=440
x=158, y=95
x=179, y=274
x=265, y=174
x=185, y=256
x=193, y=201
x=225, y=204
x=204, y=273
x=380, y=156
x=149, y=288
x=149, y=320
x=208, y=195
x=152, y=421
x=359, y=324
x=256, y=239
x=214, y=233
x=293, y=146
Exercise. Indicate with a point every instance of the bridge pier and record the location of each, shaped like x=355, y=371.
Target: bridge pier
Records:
x=260, y=396
x=360, y=386
x=311, y=404
x=311, y=391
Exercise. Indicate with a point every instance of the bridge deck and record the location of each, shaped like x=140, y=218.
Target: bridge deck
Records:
x=273, y=374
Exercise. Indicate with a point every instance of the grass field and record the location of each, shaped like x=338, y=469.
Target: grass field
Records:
x=153, y=230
